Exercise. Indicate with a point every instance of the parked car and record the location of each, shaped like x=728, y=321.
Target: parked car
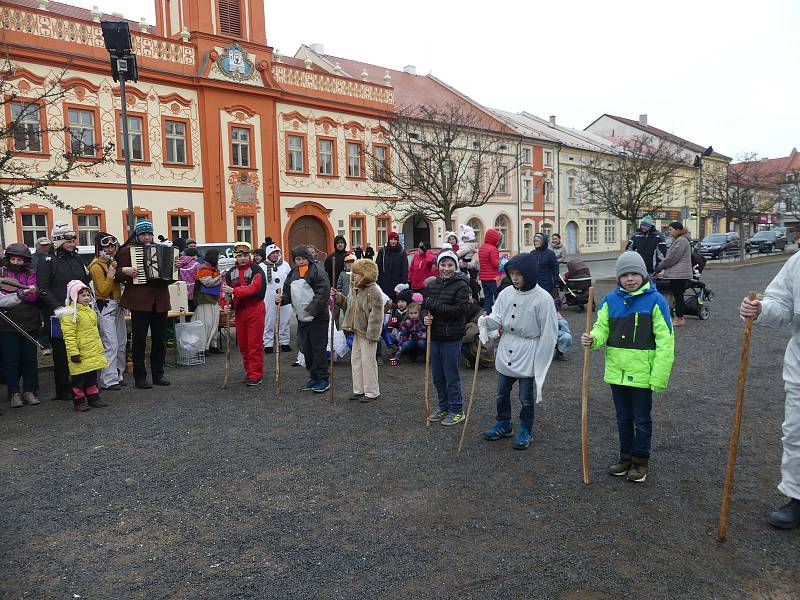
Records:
x=766, y=241
x=720, y=245
x=788, y=232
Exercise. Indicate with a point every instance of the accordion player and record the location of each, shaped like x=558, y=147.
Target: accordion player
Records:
x=155, y=262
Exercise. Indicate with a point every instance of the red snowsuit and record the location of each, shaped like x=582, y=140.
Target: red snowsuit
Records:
x=249, y=287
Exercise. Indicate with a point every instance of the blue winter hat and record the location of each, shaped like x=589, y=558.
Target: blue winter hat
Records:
x=647, y=220
x=143, y=227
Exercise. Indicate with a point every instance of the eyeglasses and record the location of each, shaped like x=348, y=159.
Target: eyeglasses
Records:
x=108, y=240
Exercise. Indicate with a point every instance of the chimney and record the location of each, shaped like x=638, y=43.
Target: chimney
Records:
x=552, y=120
x=410, y=69
x=643, y=120
x=318, y=48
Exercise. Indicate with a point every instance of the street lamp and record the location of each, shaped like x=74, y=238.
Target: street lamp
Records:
x=117, y=38
x=698, y=164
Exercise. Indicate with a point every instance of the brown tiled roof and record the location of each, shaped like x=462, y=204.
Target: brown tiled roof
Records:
x=414, y=90
x=767, y=171
x=74, y=12
x=670, y=137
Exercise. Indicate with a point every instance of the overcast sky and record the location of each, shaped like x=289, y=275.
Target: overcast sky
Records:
x=721, y=73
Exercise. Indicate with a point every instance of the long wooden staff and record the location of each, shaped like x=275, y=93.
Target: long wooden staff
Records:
x=472, y=393
x=331, y=396
x=585, y=393
x=228, y=343
x=277, y=345
x=427, y=375
x=737, y=426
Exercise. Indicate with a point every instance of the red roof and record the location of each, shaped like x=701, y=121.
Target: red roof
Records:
x=766, y=171
x=74, y=12
x=415, y=90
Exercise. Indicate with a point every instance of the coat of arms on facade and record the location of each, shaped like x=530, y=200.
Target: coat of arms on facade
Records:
x=234, y=63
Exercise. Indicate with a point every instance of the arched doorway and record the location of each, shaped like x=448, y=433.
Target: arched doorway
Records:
x=308, y=230
x=572, y=238
x=416, y=229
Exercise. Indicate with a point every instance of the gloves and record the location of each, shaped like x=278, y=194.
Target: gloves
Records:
x=483, y=330
x=76, y=359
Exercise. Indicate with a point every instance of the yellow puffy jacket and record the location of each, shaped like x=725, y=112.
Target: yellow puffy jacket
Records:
x=82, y=338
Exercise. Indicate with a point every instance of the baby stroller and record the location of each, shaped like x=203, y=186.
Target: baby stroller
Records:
x=696, y=294
x=575, y=284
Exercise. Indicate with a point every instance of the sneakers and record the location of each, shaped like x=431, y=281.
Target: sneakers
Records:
x=437, y=415
x=309, y=385
x=453, y=419
x=500, y=429
x=320, y=386
x=252, y=382
x=621, y=468
x=30, y=398
x=16, y=400
x=787, y=516
x=639, y=469
x=367, y=399
x=523, y=439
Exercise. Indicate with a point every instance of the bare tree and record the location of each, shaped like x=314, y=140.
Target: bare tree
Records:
x=790, y=193
x=744, y=191
x=443, y=158
x=639, y=179
x=22, y=136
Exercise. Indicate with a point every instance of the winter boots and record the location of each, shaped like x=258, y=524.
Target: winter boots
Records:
x=787, y=516
x=639, y=469
x=621, y=468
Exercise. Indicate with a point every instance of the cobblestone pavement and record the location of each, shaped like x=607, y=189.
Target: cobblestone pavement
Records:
x=194, y=492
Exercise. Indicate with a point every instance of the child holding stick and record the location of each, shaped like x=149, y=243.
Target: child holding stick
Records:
x=633, y=323
x=526, y=315
x=445, y=303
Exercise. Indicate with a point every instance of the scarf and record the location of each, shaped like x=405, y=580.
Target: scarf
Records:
x=271, y=268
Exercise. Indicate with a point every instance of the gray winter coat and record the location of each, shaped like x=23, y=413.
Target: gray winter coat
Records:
x=677, y=264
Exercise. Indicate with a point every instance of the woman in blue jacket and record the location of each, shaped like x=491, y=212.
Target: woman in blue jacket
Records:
x=546, y=262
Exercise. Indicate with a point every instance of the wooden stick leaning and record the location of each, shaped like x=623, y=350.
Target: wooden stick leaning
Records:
x=331, y=396
x=427, y=407
x=585, y=393
x=472, y=393
x=228, y=343
x=744, y=358
x=277, y=350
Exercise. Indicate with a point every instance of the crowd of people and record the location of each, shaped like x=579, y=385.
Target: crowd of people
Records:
x=428, y=306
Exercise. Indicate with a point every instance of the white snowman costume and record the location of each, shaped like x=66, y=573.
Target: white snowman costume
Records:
x=276, y=275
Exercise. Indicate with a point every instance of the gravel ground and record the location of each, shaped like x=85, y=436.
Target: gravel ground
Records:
x=192, y=492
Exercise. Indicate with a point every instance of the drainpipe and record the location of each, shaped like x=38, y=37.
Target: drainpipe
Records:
x=519, y=197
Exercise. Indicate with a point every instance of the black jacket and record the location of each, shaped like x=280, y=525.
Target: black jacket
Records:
x=651, y=246
x=392, y=268
x=318, y=281
x=53, y=273
x=447, y=300
x=334, y=262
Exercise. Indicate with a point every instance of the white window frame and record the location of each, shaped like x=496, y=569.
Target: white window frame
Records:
x=175, y=137
x=88, y=230
x=382, y=230
x=380, y=163
x=502, y=181
x=27, y=127
x=34, y=229
x=244, y=228
x=180, y=226
x=610, y=231
x=526, y=156
x=502, y=224
x=547, y=158
x=295, y=154
x=527, y=233
x=591, y=230
x=356, y=232
x=325, y=157
x=81, y=132
x=240, y=147
x=572, y=187
x=527, y=190
x=354, y=159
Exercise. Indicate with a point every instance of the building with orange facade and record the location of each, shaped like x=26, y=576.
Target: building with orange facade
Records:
x=230, y=141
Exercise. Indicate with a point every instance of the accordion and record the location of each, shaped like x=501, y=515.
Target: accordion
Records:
x=155, y=262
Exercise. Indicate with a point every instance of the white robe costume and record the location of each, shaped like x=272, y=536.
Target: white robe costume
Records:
x=275, y=275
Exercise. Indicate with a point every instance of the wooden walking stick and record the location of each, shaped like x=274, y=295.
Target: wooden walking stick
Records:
x=427, y=375
x=228, y=343
x=472, y=393
x=331, y=397
x=585, y=393
x=737, y=426
x=277, y=345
